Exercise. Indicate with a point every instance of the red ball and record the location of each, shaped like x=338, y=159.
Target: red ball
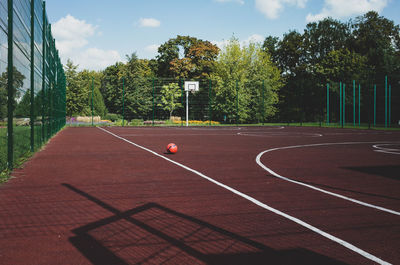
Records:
x=172, y=148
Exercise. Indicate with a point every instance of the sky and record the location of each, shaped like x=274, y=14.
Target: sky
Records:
x=95, y=34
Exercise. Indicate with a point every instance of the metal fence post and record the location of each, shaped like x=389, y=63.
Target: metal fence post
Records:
x=10, y=86
x=237, y=103
x=32, y=110
x=182, y=97
x=340, y=105
x=390, y=105
x=386, y=101
x=123, y=101
x=374, y=105
x=209, y=102
x=359, y=105
x=354, y=103
x=327, y=103
x=344, y=106
x=92, y=97
x=43, y=67
x=263, y=102
x=153, y=100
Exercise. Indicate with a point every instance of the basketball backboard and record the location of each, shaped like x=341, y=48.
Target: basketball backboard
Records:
x=191, y=85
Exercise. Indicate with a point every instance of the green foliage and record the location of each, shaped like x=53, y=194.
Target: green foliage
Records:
x=378, y=39
x=186, y=57
x=284, y=79
x=3, y=100
x=342, y=64
x=76, y=97
x=366, y=50
x=136, y=122
x=173, y=49
x=238, y=75
x=21, y=146
x=111, y=87
x=23, y=108
x=3, y=148
x=90, y=82
x=170, y=97
x=18, y=83
x=112, y=117
x=82, y=87
x=127, y=88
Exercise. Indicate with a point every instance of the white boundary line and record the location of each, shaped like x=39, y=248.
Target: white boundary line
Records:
x=262, y=205
x=273, y=134
x=386, y=150
x=180, y=135
x=258, y=160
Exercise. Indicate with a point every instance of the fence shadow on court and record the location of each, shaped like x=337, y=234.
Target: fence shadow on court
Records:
x=155, y=234
x=386, y=171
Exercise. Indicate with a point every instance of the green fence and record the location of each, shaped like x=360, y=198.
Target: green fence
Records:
x=163, y=101
x=32, y=80
x=360, y=104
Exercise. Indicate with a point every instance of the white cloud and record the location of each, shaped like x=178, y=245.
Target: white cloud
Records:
x=149, y=22
x=150, y=51
x=71, y=33
x=347, y=8
x=226, y=1
x=97, y=59
x=72, y=40
x=220, y=44
x=152, y=48
x=255, y=38
x=272, y=8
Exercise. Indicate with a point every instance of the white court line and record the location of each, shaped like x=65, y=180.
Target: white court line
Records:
x=258, y=160
x=272, y=134
x=393, y=151
x=386, y=152
x=180, y=135
x=262, y=205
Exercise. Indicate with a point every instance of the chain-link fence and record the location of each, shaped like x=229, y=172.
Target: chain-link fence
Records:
x=32, y=80
x=163, y=101
x=360, y=104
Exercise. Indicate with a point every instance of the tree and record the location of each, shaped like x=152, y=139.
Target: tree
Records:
x=291, y=60
x=291, y=53
x=270, y=46
x=171, y=50
x=170, y=96
x=23, y=107
x=186, y=57
x=138, y=89
x=238, y=77
x=3, y=96
x=320, y=38
x=111, y=87
x=342, y=65
x=76, y=96
x=129, y=86
x=301, y=58
x=81, y=91
x=17, y=92
x=89, y=81
x=378, y=39
x=181, y=68
x=202, y=56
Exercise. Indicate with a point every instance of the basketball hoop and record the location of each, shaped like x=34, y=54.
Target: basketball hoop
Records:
x=191, y=86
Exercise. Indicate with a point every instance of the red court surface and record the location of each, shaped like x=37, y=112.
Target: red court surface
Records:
x=114, y=196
